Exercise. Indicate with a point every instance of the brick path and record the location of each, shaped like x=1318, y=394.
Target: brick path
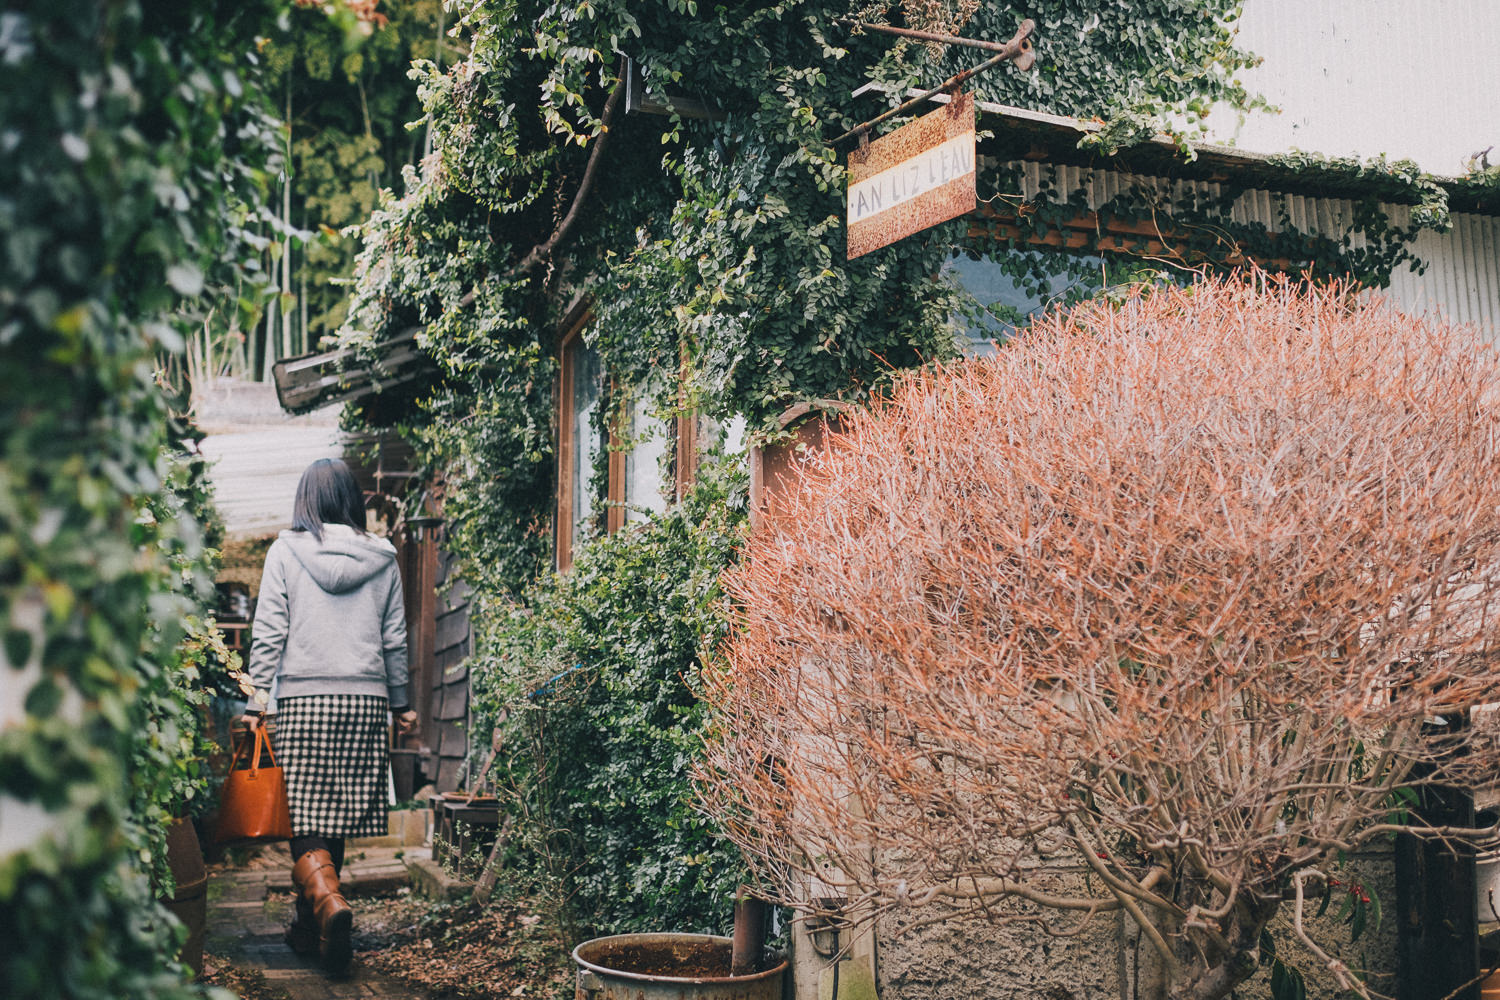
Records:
x=249, y=908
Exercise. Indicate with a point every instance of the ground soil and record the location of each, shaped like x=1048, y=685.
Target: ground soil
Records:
x=405, y=947
x=464, y=950
x=247, y=984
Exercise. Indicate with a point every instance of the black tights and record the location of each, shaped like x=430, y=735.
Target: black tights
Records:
x=333, y=845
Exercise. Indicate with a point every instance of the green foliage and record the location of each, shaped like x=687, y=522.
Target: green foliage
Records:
x=1141, y=68
x=131, y=154
x=1480, y=183
x=93, y=930
x=352, y=118
x=166, y=767
x=711, y=247
x=591, y=688
x=1204, y=235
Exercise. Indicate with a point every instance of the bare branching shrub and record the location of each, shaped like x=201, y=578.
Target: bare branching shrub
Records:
x=1173, y=591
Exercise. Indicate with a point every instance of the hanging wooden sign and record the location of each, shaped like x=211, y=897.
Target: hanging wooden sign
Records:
x=919, y=175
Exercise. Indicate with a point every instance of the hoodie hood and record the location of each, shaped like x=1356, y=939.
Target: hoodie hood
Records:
x=343, y=560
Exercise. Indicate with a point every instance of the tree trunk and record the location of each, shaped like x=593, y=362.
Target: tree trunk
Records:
x=1209, y=972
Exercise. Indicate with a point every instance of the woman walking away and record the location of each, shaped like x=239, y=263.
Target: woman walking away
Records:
x=330, y=628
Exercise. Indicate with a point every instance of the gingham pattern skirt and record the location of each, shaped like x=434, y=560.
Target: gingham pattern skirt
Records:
x=332, y=749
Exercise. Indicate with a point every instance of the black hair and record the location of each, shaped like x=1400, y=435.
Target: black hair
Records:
x=328, y=494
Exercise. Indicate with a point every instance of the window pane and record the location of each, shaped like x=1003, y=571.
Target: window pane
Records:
x=585, y=404
x=643, y=461
x=1006, y=302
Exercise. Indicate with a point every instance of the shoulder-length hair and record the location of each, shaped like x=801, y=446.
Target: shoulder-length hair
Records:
x=328, y=494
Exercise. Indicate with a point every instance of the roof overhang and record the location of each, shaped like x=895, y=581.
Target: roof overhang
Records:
x=1019, y=134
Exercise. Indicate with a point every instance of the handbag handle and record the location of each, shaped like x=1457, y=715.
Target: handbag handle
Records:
x=261, y=739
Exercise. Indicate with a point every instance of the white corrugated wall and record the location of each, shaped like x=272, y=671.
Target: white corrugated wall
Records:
x=1461, y=280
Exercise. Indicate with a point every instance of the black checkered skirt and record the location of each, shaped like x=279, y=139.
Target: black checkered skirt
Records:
x=332, y=749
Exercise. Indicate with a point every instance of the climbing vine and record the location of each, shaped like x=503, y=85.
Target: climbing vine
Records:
x=133, y=154
x=590, y=692
x=711, y=247
x=1192, y=229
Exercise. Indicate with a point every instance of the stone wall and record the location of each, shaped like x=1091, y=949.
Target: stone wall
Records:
x=977, y=960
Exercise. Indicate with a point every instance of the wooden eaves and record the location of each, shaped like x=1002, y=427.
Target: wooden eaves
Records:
x=310, y=381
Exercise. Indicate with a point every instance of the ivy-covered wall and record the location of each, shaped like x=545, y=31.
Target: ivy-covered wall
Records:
x=133, y=150
x=712, y=249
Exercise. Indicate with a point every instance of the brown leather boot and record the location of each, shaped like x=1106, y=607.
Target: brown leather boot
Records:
x=302, y=935
x=318, y=882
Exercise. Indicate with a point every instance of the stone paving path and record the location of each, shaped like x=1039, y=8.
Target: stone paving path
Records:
x=249, y=908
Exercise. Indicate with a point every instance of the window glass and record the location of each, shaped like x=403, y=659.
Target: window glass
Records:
x=731, y=439
x=585, y=451
x=647, y=441
x=1001, y=302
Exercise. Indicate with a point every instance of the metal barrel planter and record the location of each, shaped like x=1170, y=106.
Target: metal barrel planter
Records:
x=669, y=967
x=189, y=902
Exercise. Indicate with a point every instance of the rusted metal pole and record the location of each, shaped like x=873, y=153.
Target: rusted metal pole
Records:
x=927, y=36
x=749, y=933
x=1018, y=48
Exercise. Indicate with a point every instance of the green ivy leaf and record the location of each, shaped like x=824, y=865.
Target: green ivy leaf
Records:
x=1287, y=982
x=18, y=645
x=44, y=698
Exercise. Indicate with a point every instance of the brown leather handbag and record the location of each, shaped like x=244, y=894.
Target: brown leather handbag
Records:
x=252, y=805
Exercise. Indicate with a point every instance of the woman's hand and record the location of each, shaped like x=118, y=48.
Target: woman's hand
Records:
x=252, y=721
x=406, y=723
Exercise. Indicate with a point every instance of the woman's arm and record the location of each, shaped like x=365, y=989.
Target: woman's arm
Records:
x=393, y=643
x=269, y=632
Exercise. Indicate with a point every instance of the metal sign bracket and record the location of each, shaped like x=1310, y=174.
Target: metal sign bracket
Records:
x=1018, y=50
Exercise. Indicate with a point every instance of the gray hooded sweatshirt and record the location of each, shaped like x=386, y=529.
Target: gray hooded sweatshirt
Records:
x=330, y=618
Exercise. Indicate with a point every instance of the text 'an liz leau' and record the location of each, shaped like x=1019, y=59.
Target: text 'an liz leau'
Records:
x=911, y=178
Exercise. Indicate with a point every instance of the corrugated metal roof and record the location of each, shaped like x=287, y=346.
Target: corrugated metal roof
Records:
x=255, y=474
x=1032, y=135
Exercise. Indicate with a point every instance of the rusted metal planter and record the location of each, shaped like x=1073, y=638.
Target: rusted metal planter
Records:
x=668, y=967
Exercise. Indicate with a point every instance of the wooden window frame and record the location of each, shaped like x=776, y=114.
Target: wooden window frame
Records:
x=685, y=457
x=614, y=511
x=685, y=447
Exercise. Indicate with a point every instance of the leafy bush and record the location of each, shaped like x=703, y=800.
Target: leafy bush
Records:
x=132, y=152
x=166, y=768
x=592, y=692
